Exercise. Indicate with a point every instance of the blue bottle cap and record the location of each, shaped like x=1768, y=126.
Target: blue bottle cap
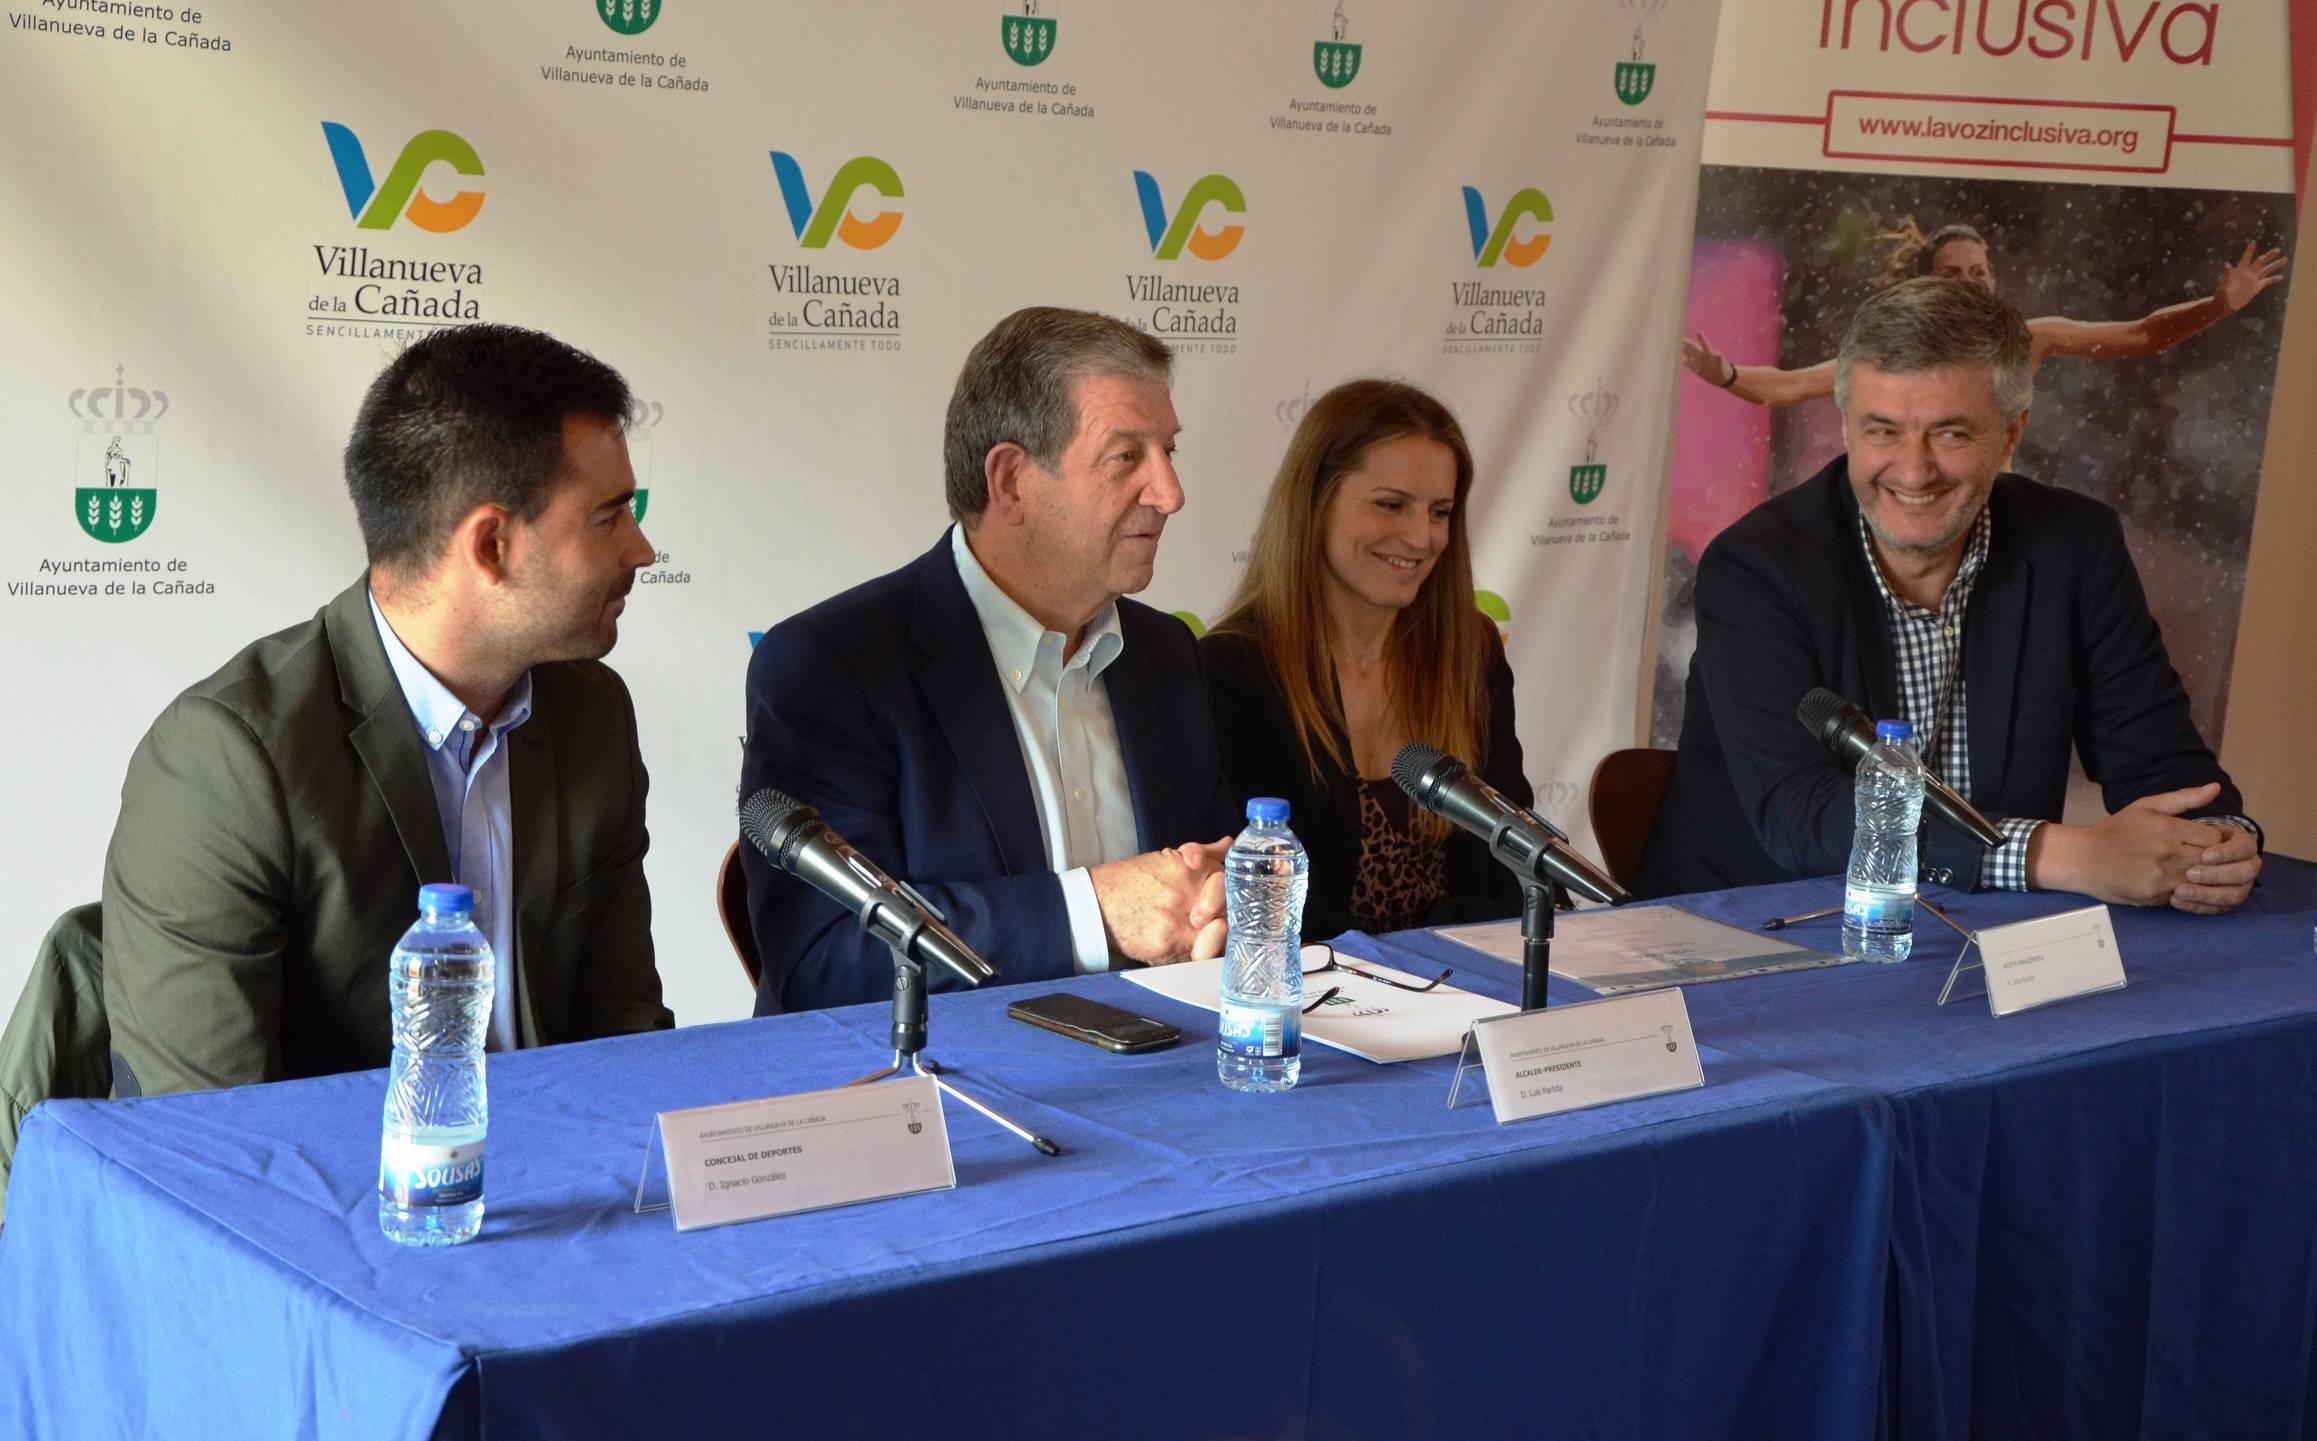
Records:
x=1894, y=730
x=1266, y=808
x=446, y=900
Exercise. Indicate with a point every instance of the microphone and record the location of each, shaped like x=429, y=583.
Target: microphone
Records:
x=792, y=835
x=1849, y=732
x=1526, y=842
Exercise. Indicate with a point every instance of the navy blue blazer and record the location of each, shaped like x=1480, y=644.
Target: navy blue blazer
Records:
x=882, y=708
x=2058, y=650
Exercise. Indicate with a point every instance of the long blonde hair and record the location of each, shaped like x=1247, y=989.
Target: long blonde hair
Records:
x=1913, y=253
x=1436, y=657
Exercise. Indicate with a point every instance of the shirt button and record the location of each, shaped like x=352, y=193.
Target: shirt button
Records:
x=1017, y=677
x=1078, y=793
x=434, y=738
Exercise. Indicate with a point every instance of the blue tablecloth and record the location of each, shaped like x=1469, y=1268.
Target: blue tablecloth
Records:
x=2095, y=1220
x=1350, y=1260
x=2106, y=1209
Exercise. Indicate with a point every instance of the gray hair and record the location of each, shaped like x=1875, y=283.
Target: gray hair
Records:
x=1017, y=385
x=1926, y=323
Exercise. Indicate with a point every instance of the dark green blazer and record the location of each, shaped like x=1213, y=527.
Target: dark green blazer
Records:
x=276, y=824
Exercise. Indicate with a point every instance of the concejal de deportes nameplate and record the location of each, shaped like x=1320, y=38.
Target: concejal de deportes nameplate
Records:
x=746, y=1160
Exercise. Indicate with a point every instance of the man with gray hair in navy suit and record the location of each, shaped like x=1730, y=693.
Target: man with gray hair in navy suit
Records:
x=2004, y=618
x=994, y=721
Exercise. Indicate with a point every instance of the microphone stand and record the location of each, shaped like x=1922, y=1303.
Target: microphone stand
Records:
x=909, y=1046
x=1539, y=899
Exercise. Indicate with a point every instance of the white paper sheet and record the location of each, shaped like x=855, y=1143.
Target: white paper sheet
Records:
x=1372, y=1021
x=1638, y=948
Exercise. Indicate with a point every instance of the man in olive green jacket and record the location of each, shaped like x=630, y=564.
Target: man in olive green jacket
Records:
x=444, y=718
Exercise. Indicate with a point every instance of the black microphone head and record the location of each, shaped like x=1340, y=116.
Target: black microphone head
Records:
x=1419, y=769
x=1825, y=714
x=773, y=820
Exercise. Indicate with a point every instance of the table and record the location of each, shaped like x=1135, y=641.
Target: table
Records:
x=1349, y=1260
x=2105, y=1219
x=2091, y=1220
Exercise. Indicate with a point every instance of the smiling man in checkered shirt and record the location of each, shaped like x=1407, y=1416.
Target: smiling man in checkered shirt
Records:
x=2003, y=617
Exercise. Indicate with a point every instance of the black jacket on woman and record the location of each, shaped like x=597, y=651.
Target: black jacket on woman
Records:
x=1262, y=758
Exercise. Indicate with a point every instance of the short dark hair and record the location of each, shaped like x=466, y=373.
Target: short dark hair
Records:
x=467, y=416
x=1926, y=323
x=1016, y=386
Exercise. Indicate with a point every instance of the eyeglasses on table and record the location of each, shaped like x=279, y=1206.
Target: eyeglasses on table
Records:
x=1334, y=963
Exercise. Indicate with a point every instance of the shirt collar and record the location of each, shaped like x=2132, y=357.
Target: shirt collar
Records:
x=1967, y=572
x=1016, y=638
x=439, y=713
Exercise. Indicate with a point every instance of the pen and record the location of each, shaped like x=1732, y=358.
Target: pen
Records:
x=1779, y=923
x=1933, y=907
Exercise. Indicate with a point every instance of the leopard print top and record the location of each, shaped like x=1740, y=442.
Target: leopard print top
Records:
x=1401, y=877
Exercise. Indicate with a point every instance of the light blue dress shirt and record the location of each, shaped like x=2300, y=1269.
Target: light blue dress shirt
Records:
x=1061, y=714
x=466, y=759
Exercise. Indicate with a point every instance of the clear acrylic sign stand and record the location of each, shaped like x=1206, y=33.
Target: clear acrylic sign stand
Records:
x=644, y=1178
x=1963, y=962
x=1465, y=1060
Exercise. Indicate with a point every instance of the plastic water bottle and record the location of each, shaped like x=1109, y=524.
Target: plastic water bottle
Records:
x=1878, y=901
x=430, y=1150
x=1260, y=1047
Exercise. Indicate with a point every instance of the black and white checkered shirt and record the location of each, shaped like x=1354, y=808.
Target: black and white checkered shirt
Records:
x=1929, y=647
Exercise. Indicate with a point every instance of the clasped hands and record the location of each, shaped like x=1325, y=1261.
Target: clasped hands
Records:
x=1166, y=905
x=2148, y=854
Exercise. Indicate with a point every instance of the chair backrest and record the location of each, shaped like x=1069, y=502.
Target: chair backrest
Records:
x=732, y=907
x=1628, y=787
x=58, y=1044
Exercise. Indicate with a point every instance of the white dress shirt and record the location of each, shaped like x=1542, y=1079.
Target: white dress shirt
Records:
x=466, y=759
x=1061, y=714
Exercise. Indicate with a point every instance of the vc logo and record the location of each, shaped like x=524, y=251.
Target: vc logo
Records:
x=375, y=206
x=1490, y=242
x=815, y=224
x=1167, y=240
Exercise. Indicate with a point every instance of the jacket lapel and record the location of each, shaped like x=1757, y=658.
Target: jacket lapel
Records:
x=534, y=800
x=1142, y=746
x=382, y=732
x=1994, y=632
x=1869, y=621
x=958, y=680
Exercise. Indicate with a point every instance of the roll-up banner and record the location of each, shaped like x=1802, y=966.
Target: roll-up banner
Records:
x=2122, y=170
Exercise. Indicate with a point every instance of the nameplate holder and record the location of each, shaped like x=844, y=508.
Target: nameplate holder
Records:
x=747, y=1160
x=1591, y=1053
x=2052, y=958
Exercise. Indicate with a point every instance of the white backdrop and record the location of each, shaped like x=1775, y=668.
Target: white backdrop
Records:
x=187, y=258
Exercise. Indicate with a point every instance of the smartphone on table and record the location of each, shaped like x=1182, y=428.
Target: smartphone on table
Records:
x=1095, y=1023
